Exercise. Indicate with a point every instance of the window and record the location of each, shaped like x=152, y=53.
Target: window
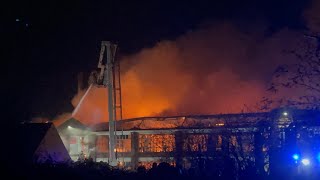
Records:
x=156, y=142
x=123, y=143
x=102, y=144
x=196, y=142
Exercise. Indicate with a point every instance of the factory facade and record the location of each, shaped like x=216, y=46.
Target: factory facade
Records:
x=189, y=140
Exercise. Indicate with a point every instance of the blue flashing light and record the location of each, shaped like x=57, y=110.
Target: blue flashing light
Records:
x=318, y=156
x=296, y=157
x=305, y=162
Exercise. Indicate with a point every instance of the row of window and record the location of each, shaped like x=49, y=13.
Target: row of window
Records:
x=166, y=143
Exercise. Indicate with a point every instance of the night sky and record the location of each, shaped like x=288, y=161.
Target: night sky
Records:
x=49, y=42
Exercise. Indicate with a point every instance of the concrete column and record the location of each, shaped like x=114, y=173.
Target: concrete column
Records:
x=225, y=144
x=259, y=155
x=92, y=146
x=212, y=143
x=134, y=149
x=67, y=142
x=178, y=153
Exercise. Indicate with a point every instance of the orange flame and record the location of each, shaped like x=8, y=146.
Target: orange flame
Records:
x=213, y=70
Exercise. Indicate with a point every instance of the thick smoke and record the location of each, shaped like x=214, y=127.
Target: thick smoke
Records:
x=218, y=68
x=59, y=119
x=94, y=106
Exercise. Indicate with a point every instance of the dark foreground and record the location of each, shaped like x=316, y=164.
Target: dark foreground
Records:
x=100, y=170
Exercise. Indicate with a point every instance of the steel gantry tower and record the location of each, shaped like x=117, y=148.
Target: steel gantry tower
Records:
x=109, y=77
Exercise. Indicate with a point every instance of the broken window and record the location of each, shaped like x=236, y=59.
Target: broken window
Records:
x=123, y=143
x=196, y=142
x=156, y=142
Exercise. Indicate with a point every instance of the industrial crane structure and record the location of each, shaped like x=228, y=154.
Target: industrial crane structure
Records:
x=109, y=77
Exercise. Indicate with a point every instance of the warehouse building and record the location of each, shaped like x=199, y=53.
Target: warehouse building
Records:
x=188, y=140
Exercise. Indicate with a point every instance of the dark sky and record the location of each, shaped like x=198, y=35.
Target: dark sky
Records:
x=49, y=42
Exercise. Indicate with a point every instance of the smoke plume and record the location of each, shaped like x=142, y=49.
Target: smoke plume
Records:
x=219, y=68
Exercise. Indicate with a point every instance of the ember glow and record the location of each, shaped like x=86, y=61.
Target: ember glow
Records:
x=219, y=68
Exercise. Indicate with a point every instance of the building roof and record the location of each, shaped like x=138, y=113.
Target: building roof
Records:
x=30, y=136
x=185, y=122
x=202, y=121
x=28, y=139
x=74, y=123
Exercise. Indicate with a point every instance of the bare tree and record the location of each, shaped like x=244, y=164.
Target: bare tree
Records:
x=303, y=75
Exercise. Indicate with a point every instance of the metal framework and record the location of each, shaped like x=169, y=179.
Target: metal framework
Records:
x=109, y=77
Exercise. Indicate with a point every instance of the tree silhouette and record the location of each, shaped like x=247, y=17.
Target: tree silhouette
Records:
x=303, y=75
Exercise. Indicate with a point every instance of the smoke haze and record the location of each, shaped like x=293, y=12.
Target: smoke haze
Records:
x=219, y=68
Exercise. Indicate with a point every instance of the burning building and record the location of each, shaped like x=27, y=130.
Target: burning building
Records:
x=186, y=139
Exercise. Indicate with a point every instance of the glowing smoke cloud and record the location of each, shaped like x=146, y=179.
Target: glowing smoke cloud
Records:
x=221, y=68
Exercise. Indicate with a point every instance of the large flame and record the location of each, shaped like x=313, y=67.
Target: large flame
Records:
x=218, y=69
x=221, y=68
